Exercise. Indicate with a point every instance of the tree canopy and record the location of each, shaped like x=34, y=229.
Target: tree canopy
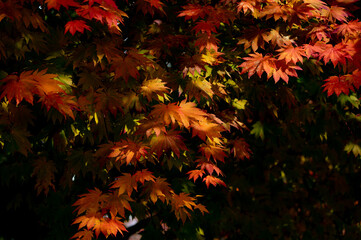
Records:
x=228, y=119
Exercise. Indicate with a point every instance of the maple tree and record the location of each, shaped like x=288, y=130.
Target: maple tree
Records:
x=205, y=119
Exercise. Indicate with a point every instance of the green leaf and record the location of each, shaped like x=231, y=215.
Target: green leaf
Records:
x=257, y=130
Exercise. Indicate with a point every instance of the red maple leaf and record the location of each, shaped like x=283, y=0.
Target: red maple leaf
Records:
x=338, y=85
x=56, y=4
x=193, y=11
x=205, y=27
x=18, y=88
x=336, y=54
x=76, y=26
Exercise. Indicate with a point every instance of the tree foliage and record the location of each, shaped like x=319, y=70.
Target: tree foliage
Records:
x=204, y=119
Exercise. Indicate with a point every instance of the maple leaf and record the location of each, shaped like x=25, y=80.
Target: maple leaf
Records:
x=107, y=100
x=183, y=114
x=170, y=140
x=125, y=183
x=34, y=19
x=44, y=170
x=312, y=50
x=210, y=167
x=205, y=27
x=276, y=38
x=337, y=54
x=85, y=234
x=90, y=202
x=241, y=149
x=128, y=66
x=116, y=204
x=257, y=63
x=144, y=175
x=195, y=174
x=159, y=190
x=213, y=180
x=56, y=4
x=199, y=87
x=349, y=29
x=337, y=85
x=65, y=104
x=76, y=26
x=276, y=10
x=254, y=37
x=45, y=83
x=180, y=203
x=149, y=6
x=110, y=226
x=107, y=14
x=128, y=150
x=211, y=150
x=153, y=87
x=334, y=13
x=285, y=70
x=205, y=128
x=150, y=126
x=18, y=87
x=291, y=54
x=248, y=6
x=193, y=11
x=206, y=41
x=317, y=4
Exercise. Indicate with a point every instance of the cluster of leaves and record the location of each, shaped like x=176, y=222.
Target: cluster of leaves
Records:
x=162, y=107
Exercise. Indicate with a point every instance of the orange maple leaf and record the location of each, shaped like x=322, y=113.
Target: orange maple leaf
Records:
x=241, y=149
x=213, y=180
x=90, y=202
x=205, y=128
x=195, y=174
x=44, y=170
x=153, y=87
x=254, y=37
x=144, y=175
x=349, y=30
x=291, y=54
x=193, y=11
x=164, y=142
x=257, y=63
x=183, y=114
x=180, y=203
x=116, y=204
x=159, y=190
x=334, y=13
x=125, y=183
x=65, y=104
x=211, y=150
x=85, y=234
x=129, y=150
